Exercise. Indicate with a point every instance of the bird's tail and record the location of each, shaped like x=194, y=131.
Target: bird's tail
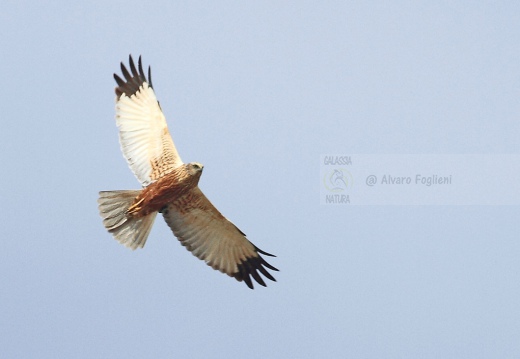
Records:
x=130, y=231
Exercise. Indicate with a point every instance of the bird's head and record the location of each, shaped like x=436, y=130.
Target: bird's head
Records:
x=195, y=168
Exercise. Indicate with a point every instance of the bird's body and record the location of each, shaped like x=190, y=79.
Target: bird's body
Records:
x=167, y=189
x=170, y=187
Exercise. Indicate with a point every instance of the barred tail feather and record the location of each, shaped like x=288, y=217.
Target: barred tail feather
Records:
x=131, y=232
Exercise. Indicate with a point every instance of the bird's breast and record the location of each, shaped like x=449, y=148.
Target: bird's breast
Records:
x=160, y=193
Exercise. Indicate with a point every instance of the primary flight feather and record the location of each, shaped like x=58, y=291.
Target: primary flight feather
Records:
x=170, y=187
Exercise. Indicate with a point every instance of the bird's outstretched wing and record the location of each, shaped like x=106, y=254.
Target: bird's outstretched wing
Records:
x=205, y=232
x=143, y=134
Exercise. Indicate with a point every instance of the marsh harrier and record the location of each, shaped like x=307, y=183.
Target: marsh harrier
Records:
x=170, y=187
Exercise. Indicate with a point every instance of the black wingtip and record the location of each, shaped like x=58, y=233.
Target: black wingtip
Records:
x=140, y=65
x=133, y=79
x=119, y=80
x=150, y=76
x=250, y=268
x=264, y=253
x=132, y=67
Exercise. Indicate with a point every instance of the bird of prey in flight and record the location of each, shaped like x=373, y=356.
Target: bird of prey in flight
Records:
x=170, y=187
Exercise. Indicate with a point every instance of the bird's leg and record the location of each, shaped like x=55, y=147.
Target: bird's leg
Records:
x=134, y=208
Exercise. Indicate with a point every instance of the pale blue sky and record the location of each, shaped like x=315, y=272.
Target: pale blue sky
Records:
x=257, y=91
